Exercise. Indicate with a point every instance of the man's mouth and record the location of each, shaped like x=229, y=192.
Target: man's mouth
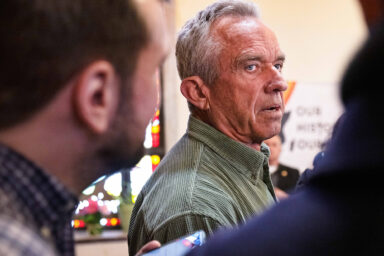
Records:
x=273, y=108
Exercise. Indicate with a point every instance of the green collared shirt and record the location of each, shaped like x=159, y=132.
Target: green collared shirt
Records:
x=206, y=181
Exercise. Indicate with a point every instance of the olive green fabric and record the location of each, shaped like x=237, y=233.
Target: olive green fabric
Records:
x=206, y=181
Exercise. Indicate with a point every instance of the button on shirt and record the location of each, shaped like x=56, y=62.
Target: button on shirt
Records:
x=35, y=209
x=206, y=181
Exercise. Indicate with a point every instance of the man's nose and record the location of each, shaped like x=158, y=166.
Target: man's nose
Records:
x=276, y=82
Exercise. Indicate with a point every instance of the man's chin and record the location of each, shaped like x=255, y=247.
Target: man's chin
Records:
x=122, y=159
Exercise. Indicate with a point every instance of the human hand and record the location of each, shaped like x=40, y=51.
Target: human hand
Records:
x=152, y=245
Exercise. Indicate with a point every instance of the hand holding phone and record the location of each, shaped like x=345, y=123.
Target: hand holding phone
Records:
x=180, y=246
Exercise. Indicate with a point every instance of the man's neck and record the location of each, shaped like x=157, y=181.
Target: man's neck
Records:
x=52, y=140
x=233, y=135
x=44, y=151
x=273, y=162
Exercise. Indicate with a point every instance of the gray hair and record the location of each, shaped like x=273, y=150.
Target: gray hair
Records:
x=196, y=51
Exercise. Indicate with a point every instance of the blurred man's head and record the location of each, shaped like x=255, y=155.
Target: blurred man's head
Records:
x=124, y=140
x=45, y=44
x=373, y=11
x=83, y=70
x=360, y=78
x=231, y=63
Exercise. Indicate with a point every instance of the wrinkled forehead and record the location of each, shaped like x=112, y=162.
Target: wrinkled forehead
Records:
x=232, y=24
x=232, y=30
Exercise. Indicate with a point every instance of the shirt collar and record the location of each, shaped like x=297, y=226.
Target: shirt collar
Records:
x=247, y=160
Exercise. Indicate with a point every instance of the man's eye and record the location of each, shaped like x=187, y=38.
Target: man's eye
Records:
x=279, y=66
x=251, y=67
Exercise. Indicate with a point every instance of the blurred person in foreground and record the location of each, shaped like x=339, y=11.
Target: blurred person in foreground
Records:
x=77, y=89
x=217, y=174
x=284, y=178
x=340, y=211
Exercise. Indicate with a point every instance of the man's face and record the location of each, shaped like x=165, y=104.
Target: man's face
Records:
x=145, y=93
x=246, y=101
x=123, y=145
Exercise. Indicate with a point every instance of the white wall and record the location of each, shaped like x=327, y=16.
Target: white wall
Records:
x=318, y=37
x=116, y=248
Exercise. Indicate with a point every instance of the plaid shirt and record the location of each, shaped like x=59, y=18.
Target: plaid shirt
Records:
x=35, y=209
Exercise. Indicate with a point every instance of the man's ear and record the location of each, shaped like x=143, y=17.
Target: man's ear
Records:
x=96, y=96
x=196, y=92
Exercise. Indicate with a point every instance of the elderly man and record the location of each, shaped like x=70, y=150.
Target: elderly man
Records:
x=340, y=210
x=217, y=174
x=77, y=91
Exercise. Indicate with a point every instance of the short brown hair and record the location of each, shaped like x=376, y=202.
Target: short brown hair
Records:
x=45, y=43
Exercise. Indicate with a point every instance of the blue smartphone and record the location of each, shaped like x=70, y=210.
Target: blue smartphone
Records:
x=180, y=246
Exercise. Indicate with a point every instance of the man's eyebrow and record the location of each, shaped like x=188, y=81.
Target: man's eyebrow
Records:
x=243, y=58
x=240, y=60
x=248, y=57
x=281, y=57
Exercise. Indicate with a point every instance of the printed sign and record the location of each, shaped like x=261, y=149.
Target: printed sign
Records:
x=310, y=113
